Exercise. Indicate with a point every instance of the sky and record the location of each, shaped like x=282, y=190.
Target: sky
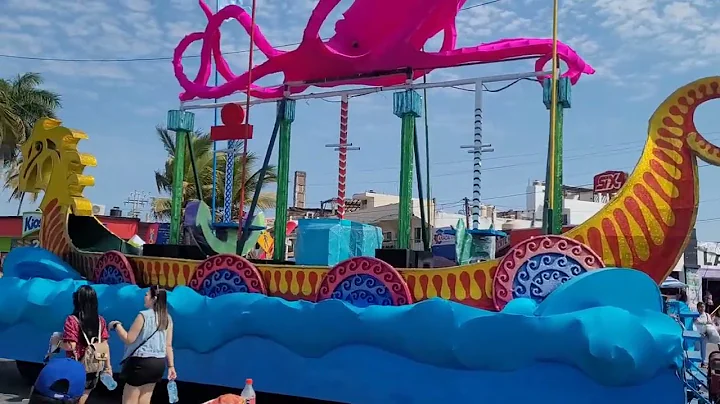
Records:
x=110, y=61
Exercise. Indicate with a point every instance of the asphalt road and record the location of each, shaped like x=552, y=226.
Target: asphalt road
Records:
x=13, y=389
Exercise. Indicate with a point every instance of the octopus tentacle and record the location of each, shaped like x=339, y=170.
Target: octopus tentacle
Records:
x=317, y=19
x=203, y=73
x=510, y=49
x=237, y=84
x=241, y=16
x=449, y=38
x=211, y=50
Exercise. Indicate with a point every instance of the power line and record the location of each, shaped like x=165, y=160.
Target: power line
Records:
x=500, y=167
x=711, y=219
x=595, y=154
x=466, y=171
x=505, y=87
x=472, y=90
x=166, y=58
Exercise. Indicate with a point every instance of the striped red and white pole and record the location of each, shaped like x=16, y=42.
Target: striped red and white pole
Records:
x=342, y=156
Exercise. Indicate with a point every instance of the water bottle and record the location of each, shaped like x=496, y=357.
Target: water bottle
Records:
x=248, y=393
x=108, y=381
x=172, y=392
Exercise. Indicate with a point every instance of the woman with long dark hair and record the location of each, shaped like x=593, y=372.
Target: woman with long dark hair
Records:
x=148, y=347
x=85, y=337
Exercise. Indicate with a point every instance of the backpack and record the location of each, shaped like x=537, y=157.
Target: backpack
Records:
x=96, y=353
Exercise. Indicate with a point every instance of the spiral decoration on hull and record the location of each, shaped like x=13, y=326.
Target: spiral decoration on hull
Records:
x=226, y=273
x=113, y=268
x=363, y=282
x=537, y=266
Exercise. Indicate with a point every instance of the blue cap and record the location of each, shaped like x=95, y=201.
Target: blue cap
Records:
x=59, y=369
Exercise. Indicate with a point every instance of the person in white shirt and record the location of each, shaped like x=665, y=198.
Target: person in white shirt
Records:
x=705, y=326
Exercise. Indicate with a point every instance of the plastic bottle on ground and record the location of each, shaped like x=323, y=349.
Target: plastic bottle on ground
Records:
x=172, y=392
x=108, y=381
x=248, y=393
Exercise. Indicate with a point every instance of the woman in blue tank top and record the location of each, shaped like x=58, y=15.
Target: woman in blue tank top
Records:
x=148, y=347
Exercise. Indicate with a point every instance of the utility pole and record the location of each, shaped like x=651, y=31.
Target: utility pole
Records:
x=467, y=212
x=136, y=201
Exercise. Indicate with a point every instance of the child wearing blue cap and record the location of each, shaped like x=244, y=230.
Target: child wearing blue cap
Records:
x=62, y=381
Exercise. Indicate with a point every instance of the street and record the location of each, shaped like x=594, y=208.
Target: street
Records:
x=13, y=389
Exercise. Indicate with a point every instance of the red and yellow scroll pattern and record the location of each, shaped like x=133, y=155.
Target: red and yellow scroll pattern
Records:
x=647, y=225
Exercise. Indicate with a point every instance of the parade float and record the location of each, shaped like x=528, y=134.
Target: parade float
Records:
x=362, y=330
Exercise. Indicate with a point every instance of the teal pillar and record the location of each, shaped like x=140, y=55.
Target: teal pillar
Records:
x=283, y=178
x=553, y=203
x=407, y=106
x=182, y=123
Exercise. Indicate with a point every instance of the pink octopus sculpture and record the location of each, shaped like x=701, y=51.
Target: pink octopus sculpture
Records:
x=374, y=36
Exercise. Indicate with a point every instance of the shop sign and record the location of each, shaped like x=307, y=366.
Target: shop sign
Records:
x=31, y=223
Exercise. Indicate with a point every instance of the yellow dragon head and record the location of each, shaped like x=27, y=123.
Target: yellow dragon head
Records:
x=52, y=163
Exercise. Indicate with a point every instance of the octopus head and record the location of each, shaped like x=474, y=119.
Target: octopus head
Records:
x=400, y=20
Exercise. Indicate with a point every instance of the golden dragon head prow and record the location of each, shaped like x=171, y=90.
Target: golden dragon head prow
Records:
x=52, y=163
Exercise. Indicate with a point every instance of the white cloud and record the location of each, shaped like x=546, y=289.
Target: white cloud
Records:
x=11, y=42
x=30, y=5
x=86, y=70
x=30, y=21
x=138, y=5
x=677, y=28
x=9, y=24
x=490, y=23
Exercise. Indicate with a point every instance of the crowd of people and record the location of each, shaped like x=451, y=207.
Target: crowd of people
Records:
x=147, y=356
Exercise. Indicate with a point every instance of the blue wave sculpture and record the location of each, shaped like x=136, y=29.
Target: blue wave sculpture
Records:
x=434, y=350
x=36, y=262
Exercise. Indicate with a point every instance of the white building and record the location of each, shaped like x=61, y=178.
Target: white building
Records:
x=382, y=210
x=579, y=204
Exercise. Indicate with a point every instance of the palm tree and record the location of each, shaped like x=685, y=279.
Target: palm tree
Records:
x=202, y=151
x=22, y=103
x=10, y=124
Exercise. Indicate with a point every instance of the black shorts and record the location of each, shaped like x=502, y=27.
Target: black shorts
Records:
x=141, y=371
x=91, y=380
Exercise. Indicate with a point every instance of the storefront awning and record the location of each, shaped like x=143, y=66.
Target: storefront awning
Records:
x=706, y=272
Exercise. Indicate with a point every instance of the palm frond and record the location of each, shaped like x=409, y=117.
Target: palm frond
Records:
x=202, y=152
x=22, y=103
